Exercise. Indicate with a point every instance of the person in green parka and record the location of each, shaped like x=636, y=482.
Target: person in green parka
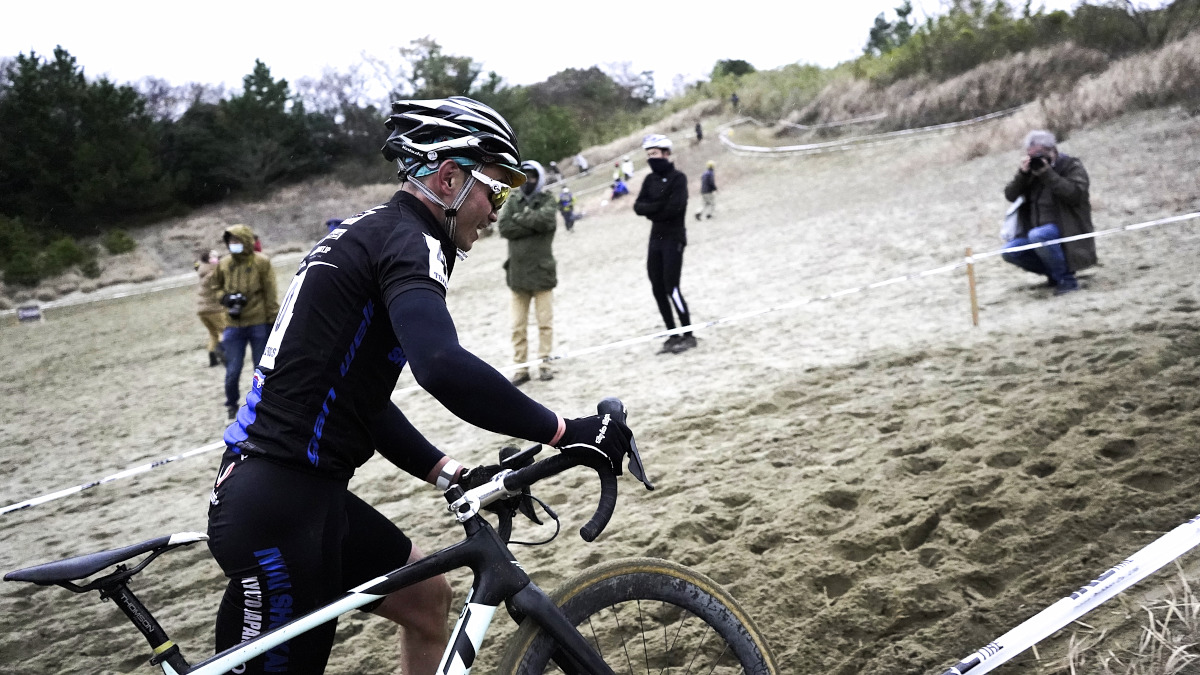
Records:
x=245, y=286
x=528, y=223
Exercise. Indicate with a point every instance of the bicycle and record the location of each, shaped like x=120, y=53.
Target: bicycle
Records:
x=639, y=614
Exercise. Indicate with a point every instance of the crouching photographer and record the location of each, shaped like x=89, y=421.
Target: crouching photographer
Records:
x=245, y=287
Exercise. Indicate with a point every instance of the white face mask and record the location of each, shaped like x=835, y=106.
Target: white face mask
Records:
x=237, y=247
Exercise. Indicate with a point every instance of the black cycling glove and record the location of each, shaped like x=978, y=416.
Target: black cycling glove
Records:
x=473, y=478
x=600, y=436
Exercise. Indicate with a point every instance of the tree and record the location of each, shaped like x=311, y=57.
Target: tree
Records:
x=73, y=153
x=731, y=68
x=273, y=137
x=885, y=36
x=433, y=74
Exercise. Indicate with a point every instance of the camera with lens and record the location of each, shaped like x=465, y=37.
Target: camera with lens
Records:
x=1036, y=162
x=234, y=302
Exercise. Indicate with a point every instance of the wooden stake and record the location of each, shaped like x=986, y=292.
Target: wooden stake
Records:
x=971, y=283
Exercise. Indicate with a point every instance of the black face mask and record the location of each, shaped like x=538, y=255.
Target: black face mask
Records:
x=659, y=165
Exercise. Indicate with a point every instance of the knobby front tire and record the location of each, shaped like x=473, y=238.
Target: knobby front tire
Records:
x=648, y=616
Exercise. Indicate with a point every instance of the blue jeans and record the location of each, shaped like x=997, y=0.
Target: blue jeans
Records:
x=1047, y=260
x=234, y=342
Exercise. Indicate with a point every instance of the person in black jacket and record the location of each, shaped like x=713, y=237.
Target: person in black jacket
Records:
x=663, y=199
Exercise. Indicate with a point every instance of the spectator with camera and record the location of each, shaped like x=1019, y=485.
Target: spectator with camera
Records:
x=245, y=287
x=1055, y=204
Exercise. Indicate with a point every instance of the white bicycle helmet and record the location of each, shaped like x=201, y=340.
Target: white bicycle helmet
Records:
x=425, y=132
x=656, y=141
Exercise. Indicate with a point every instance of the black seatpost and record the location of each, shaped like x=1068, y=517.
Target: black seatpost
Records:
x=164, y=648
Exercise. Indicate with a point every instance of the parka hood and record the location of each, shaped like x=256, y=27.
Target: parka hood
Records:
x=242, y=233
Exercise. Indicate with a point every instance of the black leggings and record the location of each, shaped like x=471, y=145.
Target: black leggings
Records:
x=664, y=265
x=289, y=542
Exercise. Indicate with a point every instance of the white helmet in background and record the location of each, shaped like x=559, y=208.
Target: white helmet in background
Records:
x=656, y=141
x=531, y=169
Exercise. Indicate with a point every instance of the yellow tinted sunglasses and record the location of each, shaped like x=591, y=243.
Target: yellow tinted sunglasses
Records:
x=498, y=191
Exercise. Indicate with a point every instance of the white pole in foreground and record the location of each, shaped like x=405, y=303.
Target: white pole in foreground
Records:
x=1127, y=573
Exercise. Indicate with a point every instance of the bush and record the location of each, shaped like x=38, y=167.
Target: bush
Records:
x=22, y=270
x=60, y=255
x=118, y=241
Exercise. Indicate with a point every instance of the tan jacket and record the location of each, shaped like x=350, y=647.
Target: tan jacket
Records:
x=250, y=274
x=207, y=296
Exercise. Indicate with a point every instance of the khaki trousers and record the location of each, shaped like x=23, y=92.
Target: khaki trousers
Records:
x=215, y=323
x=544, y=309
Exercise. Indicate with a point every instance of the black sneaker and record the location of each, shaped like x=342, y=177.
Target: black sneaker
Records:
x=685, y=343
x=231, y=411
x=669, y=346
x=1065, y=286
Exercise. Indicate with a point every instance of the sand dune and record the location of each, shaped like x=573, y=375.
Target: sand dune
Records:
x=883, y=486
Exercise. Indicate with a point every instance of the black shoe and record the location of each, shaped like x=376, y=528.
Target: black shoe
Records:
x=669, y=346
x=212, y=359
x=231, y=410
x=520, y=378
x=685, y=343
x=1065, y=286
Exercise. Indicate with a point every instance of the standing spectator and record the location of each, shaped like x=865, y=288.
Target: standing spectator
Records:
x=663, y=199
x=566, y=206
x=733, y=98
x=618, y=173
x=528, y=223
x=708, y=189
x=699, y=132
x=1056, y=205
x=582, y=163
x=211, y=314
x=257, y=244
x=245, y=284
x=627, y=168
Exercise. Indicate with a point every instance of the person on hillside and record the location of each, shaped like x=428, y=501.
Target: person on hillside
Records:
x=733, y=98
x=257, y=244
x=566, y=206
x=619, y=189
x=1056, y=204
x=699, y=132
x=553, y=175
x=244, y=284
x=211, y=313
x=368, y=299
x=582, y=163
x=528, y=223
x=708, y=192
x=663, y=199
x=627, y=168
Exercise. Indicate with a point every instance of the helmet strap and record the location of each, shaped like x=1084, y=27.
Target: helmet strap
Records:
x=450, y=212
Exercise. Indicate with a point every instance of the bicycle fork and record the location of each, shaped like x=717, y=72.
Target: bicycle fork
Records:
x=575, y=654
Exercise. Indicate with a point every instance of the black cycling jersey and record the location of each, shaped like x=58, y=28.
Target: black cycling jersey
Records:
x=369, y=298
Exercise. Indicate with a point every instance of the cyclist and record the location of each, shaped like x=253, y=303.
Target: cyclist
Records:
x=367, y=300
x=663, y=199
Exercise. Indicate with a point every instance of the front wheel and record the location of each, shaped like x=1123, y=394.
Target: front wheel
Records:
x=645, y=615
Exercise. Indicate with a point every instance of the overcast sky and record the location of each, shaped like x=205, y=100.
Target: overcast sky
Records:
x=217, y=41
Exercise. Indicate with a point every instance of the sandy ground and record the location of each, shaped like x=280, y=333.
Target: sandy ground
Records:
x=883, y=486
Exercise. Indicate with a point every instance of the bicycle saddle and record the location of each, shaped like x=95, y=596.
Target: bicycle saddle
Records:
x=84, y=566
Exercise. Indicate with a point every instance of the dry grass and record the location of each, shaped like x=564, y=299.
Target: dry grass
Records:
x=1168, y=642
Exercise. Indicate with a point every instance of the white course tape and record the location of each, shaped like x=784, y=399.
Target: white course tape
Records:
x=856, y=141
x=163, y=284
x=1125, y=574
x=132, y=471
x=628, y=342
